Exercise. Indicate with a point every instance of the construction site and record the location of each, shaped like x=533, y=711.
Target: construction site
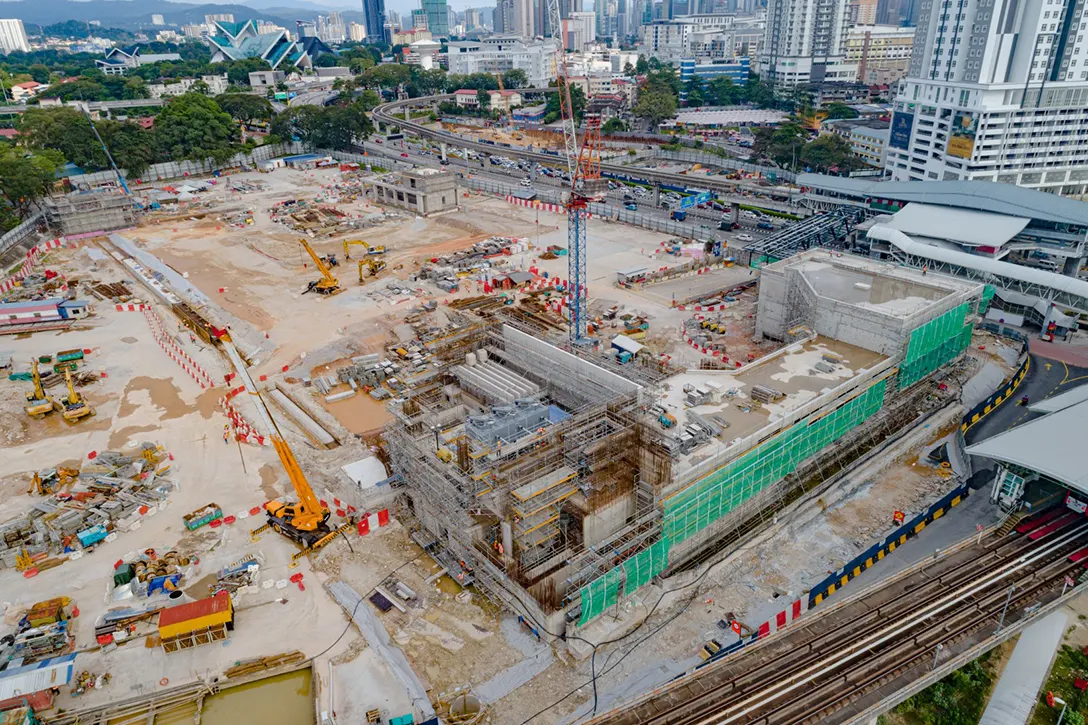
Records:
x=284, y=432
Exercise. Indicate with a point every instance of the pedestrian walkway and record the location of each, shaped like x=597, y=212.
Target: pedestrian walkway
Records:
x=1017, y=691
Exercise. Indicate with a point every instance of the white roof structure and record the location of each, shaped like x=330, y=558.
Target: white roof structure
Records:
x=366, y=473
x=971, y=228
x=1050, y=445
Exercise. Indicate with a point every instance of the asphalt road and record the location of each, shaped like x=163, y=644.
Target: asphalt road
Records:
x=1045, y=378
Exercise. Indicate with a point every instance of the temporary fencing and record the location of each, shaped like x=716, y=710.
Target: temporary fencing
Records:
x=30, y=262
x=174, y=351
x=241, y=428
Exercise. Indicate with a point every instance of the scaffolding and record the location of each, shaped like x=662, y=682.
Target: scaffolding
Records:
x=85, y=212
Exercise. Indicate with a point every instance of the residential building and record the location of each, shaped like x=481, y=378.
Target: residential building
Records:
x=331, y=28
x=119, y=60
x=168, y=36
x=863, y=12
x=374, y=12
x=22, y=91
x=466, y=98
x=157, y=19
x=218, y=18
x=263, y=27
x=411, y=36
x=504, y=101
x=499, y=54
x=216, y=84
x=265, y=79
x=705, y=36
x=805, y=42
x=419, y=19
x=306, y=29
x=997, y=93
x=578, y=30
x=868, y=138
x=504, y=17
x=423, y=53
x=195, y=30
x=898, y=12
x=524, y=18
x=357, y=32
x=472, y=19
x=234, y=41
x=13, y=36
x=437, y=18
x=881, y=52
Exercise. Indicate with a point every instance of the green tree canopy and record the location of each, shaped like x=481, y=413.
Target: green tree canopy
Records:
x=839, y=110
x=194, y=127
x=516, y=78
x=26, y=177
x=577, y=102
x=655, y=107
x=245, y=107
x=64, y=129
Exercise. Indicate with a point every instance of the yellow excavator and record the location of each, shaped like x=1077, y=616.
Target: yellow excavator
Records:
x=74, y=407
x=307, y=521
x=38, y=403
x=328, y=284
x=374, y=265
x=371, y=249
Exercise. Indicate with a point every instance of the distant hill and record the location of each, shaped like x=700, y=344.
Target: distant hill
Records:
x=131, y=14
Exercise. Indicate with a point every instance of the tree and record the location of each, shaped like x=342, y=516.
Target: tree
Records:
x=613, y=125
x=130, y=145
x=64, y=129
x=721, y=91
x=135, y=88
x=194, y=127
x=663, y=79
x=333, y=127
x=483, y=100
x=245, y=107
x=577, y=102
x=695, y=92
x=655, y=107
x=839, y=110
x=367, y=100
x=239, y=70
x=628, y=70
x=827, y=152
x=199, y=87
x=39, y=72
x=387, y=75
x=642, y=66
x=516, y=78
x=78, y=90
x=27, y=177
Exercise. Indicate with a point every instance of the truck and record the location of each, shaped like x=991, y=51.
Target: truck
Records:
x=678, y=215
x=202, y=516
x=666, y=420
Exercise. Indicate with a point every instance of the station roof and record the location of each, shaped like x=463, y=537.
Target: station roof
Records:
x=966, y=226
x=1050, y=445
x=1059, y=402
x=977, y=195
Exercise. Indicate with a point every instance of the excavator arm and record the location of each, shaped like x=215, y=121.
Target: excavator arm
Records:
x=39, y=391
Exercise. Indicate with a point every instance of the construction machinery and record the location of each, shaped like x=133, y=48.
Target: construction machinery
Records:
x=306, y=522
x=328, y=284
x=586, y=184
x=371, y=249
x=38, y=403
x=373, y=265
x=74, y=407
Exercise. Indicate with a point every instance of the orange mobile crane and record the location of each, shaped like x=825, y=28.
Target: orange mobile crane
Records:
x=305, y=522
x=328, y=284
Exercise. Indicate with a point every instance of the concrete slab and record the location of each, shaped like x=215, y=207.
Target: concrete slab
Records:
x=1016, y=692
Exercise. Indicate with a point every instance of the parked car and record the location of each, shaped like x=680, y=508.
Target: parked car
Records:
x=631, y=207
x=404, y=155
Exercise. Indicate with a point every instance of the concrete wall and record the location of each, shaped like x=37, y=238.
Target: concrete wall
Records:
x=607, y=520
x=859, y=326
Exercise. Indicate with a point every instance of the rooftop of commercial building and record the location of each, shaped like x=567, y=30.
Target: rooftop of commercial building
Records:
x=1007, y=199
x=791, y=371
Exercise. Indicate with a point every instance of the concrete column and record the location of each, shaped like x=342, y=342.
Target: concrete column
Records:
x=443, y=147
x=657, y=195
x=507, y=544
x=1072, y=266
x=736, y=211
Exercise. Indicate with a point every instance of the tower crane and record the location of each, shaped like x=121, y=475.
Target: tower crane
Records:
x=304, y=522
x=584, y=169
x=328, y=284
x=38, y=402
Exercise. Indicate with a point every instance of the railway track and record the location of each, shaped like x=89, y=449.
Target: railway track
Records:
x=819, y=670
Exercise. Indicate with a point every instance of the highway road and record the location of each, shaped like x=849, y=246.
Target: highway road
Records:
x=407, y=152
x=722, y=187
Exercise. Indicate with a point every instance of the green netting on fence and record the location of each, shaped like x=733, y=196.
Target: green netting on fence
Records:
x=644, y=566
x=712, y=497
x=934, y=344
x=599, y=595
x=987, y=296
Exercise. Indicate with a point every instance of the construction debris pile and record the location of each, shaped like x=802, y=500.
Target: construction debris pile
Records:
x=237, y=219
x=147, y=574
x=115, y=292
x=318, y=220
x=38, y=286
x=108, y=496
x=247, y=187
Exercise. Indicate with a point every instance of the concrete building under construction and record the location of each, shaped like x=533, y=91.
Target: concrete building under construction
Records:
x=559, y=486
x=87, y=212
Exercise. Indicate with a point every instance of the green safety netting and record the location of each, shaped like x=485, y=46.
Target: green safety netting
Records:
x=987, y=296
x=934, y=344
x=644, y=566
x=599, y=595
x=712, y=497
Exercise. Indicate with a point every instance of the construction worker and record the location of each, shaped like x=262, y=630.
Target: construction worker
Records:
x=226, y=434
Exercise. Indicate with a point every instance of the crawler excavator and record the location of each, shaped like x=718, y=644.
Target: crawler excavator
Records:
x=371, y=249
x=74, y=407
x=328, y=284
x=375, y=266
x=306, y=522
x=38, y=402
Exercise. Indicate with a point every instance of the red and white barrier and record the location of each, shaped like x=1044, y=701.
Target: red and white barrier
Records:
x=241, y=428
x=30, y=262
x=783, y=618
x=132, y=308
x=541, y=205
x=174, y=351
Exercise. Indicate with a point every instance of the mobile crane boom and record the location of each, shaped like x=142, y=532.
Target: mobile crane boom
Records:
x=328, y=284
x=305, y=522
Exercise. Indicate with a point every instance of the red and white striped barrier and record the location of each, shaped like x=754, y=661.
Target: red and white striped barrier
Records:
x=30, y=262
x=703, y=349
x=241, y=428
x=783, y=618
x=174, y=351
x=541, y=205
x=132, y=308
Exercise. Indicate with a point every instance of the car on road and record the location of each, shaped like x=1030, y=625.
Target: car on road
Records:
x=404, y=155
x=766, y=225
x=526, y=182
x=631, y=207
x=727, y=226
x=744, y=238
